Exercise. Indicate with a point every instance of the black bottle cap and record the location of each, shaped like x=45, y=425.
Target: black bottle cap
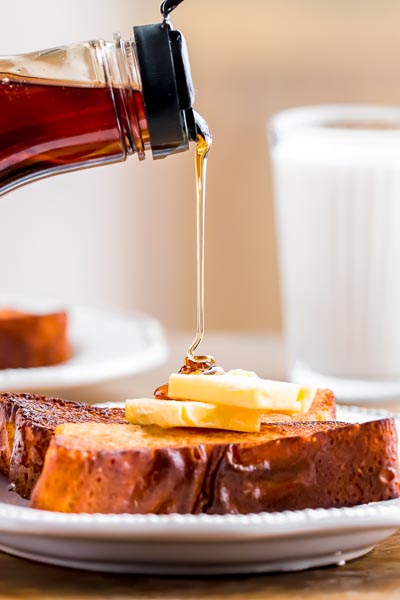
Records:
x=167, y=88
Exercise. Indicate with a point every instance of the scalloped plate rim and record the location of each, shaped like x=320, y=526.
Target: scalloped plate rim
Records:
x=386, y=514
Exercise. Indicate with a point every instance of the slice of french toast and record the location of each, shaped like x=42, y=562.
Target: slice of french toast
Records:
x=117, y=468
x=33, y=340
x=27, y=423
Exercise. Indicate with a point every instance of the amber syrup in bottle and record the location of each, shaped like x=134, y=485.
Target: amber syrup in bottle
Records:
x=48, y=128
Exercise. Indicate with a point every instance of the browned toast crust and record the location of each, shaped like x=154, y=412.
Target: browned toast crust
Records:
x=33, y=340
x=27, y=423
x=126, y=468
x=31, y=420
x=333, y=467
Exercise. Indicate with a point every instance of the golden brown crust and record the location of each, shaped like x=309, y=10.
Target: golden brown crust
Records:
x=28, y=340
x=126, y=468
x=27, y=423
x=334, y=467
x=166, y=480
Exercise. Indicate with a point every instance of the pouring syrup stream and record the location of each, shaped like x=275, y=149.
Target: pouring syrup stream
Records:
x=204, y=141
x=193, y=362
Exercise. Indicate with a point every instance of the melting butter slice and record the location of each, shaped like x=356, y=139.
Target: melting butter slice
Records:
x=175, y=413
x=242, y=389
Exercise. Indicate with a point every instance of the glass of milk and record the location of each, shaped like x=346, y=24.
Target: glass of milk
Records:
x=336, y=173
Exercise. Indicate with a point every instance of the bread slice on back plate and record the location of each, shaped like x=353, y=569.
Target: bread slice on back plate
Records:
x=27, y=424
x=33, y=340
x=117, y=468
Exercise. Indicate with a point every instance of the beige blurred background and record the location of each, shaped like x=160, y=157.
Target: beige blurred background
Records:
x=124, y=236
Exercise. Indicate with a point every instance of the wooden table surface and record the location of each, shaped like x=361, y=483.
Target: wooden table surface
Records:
x=375, y=576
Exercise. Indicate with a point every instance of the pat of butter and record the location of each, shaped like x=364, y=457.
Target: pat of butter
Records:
x=175, y=413
x=242, y=389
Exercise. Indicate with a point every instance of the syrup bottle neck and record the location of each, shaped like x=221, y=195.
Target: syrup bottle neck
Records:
x=154, y=62
x=168, y=91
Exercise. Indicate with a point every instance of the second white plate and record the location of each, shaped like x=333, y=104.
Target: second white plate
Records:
x=106, y=345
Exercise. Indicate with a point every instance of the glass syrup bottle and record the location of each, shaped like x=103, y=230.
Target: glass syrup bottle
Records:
x=95, y=103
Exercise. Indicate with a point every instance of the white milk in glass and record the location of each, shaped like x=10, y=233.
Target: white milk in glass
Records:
x=337, y=201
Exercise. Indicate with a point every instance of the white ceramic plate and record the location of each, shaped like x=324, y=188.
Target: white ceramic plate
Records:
x=198, y=544
x=106, y=345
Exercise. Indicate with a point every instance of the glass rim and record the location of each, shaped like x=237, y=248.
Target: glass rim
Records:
x=333, y=117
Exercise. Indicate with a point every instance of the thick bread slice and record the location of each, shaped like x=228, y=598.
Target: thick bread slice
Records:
x=131, y=469
x=37, y=416
x=27, y=424
x=33, y=340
